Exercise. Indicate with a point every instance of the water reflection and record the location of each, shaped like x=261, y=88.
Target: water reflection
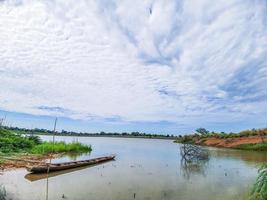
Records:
x=194, y=160
x=247, y=156
x=36, y=177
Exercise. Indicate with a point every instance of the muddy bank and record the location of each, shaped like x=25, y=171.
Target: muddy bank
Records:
x=21, y=161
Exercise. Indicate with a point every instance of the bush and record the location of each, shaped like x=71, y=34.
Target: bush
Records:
x=12, y=142
x=35, y=138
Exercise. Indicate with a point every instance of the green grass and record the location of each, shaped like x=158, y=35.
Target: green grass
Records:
x=253, y=147
x=60, y=147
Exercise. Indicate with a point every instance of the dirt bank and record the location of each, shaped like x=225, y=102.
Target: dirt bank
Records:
x=231, y=142
x=21, y=161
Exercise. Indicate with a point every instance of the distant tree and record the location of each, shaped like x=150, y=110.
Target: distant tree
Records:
x=202, y=131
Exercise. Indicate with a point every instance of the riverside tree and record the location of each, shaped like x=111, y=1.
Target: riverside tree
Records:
x=202, y=131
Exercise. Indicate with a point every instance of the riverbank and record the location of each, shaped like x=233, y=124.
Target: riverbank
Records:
x=18, y=150
x=246, y=140
x=231, y=142
x=22, y=160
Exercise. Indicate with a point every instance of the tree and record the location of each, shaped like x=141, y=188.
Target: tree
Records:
x=202, y=131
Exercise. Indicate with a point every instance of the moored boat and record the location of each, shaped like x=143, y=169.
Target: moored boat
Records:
x=46, y=168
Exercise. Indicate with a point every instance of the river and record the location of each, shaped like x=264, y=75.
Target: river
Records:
x=144, y=169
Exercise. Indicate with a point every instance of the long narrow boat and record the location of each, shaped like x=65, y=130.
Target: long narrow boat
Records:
x=46, y=168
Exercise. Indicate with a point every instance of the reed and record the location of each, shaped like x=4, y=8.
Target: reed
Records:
x=60, y=147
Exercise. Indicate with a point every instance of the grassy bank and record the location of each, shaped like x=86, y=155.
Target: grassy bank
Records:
x=11, y=142
x=253, y=147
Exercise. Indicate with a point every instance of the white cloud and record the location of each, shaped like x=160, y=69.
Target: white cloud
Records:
x=193, y=61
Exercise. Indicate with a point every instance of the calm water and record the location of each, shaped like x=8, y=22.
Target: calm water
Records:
x=144, y=169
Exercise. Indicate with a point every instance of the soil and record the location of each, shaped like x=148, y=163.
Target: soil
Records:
x=232, y=142
x=21, y=161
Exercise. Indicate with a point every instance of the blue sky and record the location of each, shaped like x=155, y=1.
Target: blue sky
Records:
x=154, y=66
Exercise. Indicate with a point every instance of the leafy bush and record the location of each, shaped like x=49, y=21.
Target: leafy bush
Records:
x=12, y=142
x=35, y=138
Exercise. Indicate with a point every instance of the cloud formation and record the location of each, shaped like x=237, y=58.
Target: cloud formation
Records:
x=193, y=61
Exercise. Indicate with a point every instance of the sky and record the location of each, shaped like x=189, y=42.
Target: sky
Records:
x=154, y=66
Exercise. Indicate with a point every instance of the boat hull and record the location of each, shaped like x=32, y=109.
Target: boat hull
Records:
x=46, y=168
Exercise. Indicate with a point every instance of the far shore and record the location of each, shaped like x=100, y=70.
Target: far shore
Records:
x=111, y=136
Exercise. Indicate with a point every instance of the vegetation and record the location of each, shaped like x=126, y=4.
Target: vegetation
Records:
x=254, y=147
x=59, y=147
x=202, y=133
x=37, y=131
x=12, y=142
x=259, y=190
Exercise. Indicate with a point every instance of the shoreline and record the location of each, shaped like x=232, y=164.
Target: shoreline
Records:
x=251, y=143
x=18, y=161
x=109, y=136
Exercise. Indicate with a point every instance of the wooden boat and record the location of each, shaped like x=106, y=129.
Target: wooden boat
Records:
x=46, y=168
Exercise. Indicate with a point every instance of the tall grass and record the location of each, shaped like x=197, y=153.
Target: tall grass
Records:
x=259, y=190
x=59, y=147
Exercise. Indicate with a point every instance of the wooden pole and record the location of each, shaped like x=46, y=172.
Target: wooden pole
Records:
x=54, y=131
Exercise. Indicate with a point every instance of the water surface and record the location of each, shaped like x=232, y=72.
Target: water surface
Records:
x=144, y=169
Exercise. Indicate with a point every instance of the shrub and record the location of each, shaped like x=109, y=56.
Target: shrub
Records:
x=12, y=142
x=35, y=138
